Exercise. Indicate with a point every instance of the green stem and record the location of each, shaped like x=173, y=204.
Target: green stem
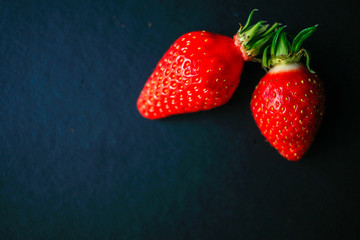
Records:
x=253, y=37
x=283, y=51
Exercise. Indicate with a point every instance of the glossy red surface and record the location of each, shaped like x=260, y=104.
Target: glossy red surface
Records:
x=200, y=71
x=288, y=108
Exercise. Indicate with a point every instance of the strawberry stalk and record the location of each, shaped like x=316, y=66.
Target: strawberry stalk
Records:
x=251, y=38
x=284, y=52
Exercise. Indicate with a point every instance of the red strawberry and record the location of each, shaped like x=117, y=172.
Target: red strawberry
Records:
x=288, y=103
x=200, y=71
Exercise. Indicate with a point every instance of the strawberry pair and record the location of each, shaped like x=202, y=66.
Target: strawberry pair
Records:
x=201, y=71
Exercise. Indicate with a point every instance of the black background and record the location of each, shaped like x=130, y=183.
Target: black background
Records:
x=77, y=161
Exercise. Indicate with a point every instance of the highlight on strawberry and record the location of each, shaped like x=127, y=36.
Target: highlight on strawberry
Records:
x=201, y=70
x=289, y=101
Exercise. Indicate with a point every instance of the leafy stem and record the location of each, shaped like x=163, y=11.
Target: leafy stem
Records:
x=254, y=37
x=283, y=51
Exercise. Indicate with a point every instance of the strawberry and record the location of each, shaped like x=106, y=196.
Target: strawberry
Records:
x=288, y=103
x=200, y=71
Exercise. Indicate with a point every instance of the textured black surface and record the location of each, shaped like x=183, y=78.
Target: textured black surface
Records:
x=77, y=161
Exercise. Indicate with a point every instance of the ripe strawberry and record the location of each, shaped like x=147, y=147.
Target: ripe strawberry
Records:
x=288, y=103
x=200, y=71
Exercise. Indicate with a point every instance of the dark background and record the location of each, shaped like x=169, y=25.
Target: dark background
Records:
x=77, y=161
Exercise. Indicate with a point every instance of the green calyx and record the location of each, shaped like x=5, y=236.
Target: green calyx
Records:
x=254, y=37
x=282, y=51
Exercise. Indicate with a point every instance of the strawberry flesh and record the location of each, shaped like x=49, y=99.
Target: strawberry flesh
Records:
x=287, y=105
x=200, y=71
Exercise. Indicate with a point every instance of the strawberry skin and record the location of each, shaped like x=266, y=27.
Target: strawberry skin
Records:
x=200, y=71
x=288, y=105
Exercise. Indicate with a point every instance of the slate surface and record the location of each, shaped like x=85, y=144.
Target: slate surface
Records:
x=77, y=161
